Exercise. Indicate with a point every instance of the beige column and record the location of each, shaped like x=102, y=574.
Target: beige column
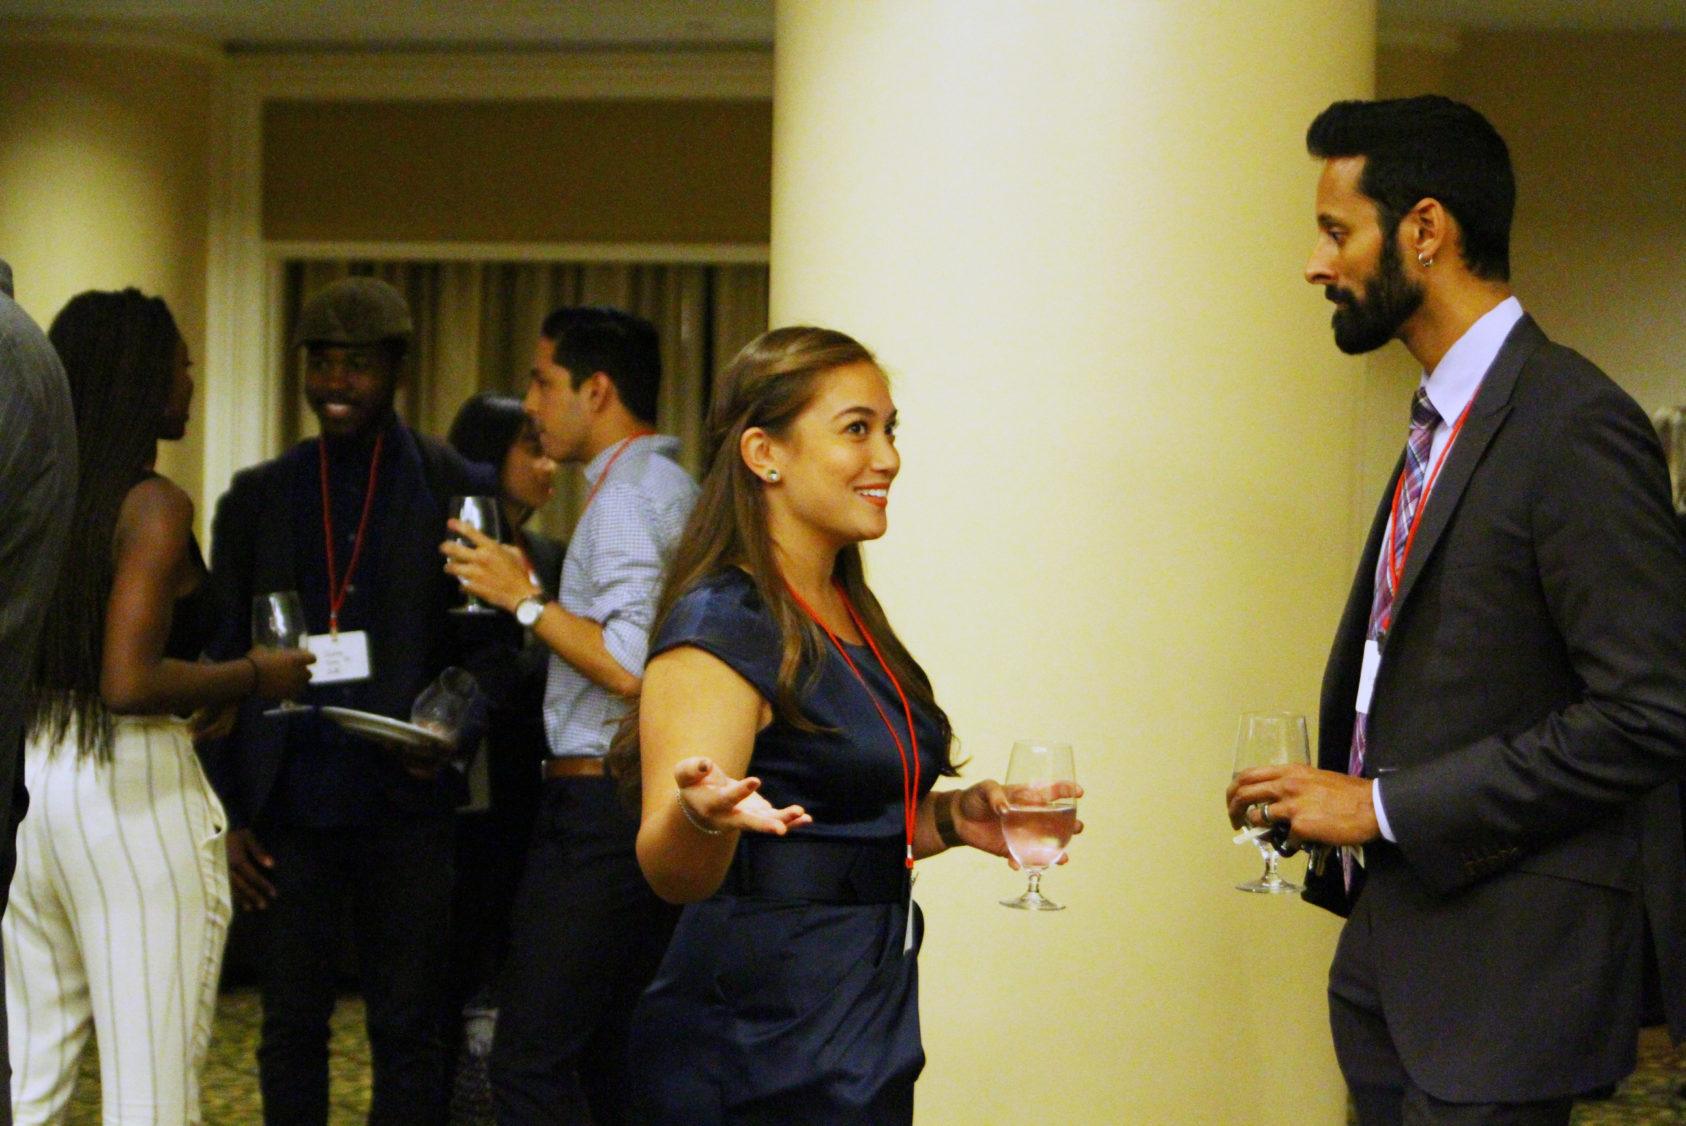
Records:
x=104, y=180
x=1074, y=234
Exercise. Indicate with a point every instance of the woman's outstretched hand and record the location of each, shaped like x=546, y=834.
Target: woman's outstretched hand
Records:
x=714, y=798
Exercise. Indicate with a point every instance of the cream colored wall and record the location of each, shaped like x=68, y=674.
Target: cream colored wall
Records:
x=104, y=182
x=1122, y=518
x=1597, y=130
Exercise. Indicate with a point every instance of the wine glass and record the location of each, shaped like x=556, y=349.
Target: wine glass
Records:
x=1270, y=739
x=1040, y=816
x=481, y=514
x=278, y=623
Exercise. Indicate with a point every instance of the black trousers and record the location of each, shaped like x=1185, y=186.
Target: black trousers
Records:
x=587, y=936
x=393, y=883
x=1382, y=1091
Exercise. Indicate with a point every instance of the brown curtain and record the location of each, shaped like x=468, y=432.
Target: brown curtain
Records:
x=476, y=324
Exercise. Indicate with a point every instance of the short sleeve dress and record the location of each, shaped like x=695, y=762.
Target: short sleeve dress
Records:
x=789, y=995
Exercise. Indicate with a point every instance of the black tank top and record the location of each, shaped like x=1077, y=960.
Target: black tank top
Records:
x=191, y=620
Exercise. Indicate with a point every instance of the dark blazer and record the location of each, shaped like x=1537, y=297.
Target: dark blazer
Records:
x=1528, y=724
x=413, y=637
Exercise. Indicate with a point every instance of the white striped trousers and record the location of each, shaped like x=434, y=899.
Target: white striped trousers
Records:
x=118, y=915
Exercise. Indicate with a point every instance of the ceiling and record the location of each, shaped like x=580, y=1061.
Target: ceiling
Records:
x=411, y=24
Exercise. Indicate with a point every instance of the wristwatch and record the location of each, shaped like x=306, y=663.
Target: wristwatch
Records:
x=527, y=610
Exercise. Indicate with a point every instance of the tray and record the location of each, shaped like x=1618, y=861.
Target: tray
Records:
x=385, y=729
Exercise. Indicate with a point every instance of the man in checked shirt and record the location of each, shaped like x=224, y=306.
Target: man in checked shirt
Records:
x=587, y=933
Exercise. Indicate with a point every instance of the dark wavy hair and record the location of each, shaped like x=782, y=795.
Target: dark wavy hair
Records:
x=769, y=383
x=1428, y=147
x=486, y=426
x=119, y=353
x=587, y=339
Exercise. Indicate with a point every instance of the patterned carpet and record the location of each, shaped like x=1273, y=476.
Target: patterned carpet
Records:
x=1650, y=1097
x=231, y=1072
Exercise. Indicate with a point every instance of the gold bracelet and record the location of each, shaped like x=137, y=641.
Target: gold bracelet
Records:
x=944, y=811
x=690, y=815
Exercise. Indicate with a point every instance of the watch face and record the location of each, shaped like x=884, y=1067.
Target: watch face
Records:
x=528, y=612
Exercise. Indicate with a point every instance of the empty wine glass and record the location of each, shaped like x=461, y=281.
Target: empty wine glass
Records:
x=481, y=514
x=1270, y=739
x=1041, y=814
x=278, y=623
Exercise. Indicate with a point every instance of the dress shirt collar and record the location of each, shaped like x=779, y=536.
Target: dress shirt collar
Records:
x=1457, y=377
x=659, y=443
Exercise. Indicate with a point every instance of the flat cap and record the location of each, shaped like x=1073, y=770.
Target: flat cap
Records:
x=353, y=311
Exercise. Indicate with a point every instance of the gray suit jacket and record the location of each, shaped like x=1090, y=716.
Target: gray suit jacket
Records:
x=1529, y=728
x=37, y=491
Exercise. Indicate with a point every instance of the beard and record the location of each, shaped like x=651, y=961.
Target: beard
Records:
x=1363, y=324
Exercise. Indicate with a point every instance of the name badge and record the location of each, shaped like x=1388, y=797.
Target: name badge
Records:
x=341, y=659
x=1367, y=675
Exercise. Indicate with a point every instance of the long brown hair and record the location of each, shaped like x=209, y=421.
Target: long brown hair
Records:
x=119, y=353
x=767, y=385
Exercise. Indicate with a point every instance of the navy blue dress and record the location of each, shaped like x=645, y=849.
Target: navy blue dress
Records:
x=787, y=997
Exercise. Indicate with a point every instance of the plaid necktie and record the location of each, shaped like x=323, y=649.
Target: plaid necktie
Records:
x=1414, y=478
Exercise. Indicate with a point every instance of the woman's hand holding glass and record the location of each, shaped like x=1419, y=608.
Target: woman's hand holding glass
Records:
x=977, y=817
x=279, y=654
x=710, y=797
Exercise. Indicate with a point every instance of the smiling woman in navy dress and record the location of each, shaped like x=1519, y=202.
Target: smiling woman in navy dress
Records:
x=790, y=990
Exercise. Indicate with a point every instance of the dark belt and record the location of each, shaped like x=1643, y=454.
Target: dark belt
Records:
x=818, y=871
x=574, y=767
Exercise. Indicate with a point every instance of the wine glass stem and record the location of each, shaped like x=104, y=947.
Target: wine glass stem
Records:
x=1270, y=874
x=1035, y=890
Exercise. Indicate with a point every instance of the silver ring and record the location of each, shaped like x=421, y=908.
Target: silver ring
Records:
x=1248, y=816
x=1264, y=813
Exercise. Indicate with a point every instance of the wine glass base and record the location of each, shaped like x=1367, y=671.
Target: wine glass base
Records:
x=477, y=611
x=1028, y=902
x=1270, y=887
x=284, y=710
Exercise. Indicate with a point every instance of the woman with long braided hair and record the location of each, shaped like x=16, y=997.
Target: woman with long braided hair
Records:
x=120, y=903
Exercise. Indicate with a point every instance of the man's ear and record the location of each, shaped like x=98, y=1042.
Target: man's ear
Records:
x=599, y=392
x=1427, y=229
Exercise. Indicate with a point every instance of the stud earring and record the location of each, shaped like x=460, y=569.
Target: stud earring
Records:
x=1425, y=263
x=773, y=475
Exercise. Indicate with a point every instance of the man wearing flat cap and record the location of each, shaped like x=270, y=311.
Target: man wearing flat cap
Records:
x=325, y=825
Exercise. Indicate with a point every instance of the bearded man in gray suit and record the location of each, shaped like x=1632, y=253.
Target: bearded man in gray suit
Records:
x=37, y=491
x=1504, y=709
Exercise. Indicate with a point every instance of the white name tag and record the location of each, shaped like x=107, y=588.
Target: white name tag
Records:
x=1367, y=675
x=339, y=659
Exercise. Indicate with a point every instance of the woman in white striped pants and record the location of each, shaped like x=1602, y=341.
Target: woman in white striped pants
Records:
x=120, y=903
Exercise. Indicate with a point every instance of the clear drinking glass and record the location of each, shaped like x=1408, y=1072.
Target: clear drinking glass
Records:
x=278, y=623
x=1270, y=739
x=1041, y=814
x=481, y=514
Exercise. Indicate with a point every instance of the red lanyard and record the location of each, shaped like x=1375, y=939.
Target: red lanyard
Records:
x=337, y=590
x=1396, y=565
x=910, y=774
x=610, y=464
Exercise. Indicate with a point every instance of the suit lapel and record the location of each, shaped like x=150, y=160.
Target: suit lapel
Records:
x=1486, y=416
